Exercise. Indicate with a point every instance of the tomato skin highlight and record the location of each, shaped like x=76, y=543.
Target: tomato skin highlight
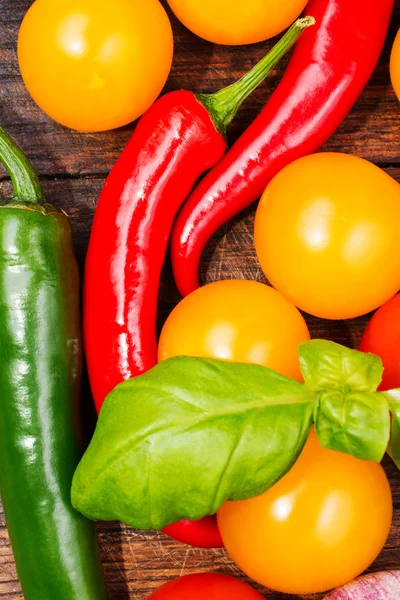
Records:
x=205, y=586
x=238, y=320
x=200, y=534
x=237, y=23
x=382, y=337
x=318, y=528
x=339, y=256
x=94, y=66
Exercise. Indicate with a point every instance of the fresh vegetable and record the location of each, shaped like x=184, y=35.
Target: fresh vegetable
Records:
x=339, y=257
x=180, y=137
x=203, y=533
x=212, y=586
x=92, y=65
x=237, y=320
x=332, y=63
x=395, y=65
x=378, y=586
x=382, y=337
x=179, y=441
x=211, y=323
x=54, y=547
x=236, y=23
x=322, y=525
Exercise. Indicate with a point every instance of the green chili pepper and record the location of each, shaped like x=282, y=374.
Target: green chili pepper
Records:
x=40, y=367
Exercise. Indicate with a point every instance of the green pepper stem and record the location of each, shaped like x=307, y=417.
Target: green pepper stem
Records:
x=224, y=104
x=25, y=181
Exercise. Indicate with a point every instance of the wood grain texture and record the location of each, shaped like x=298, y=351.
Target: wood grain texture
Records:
x=73, y=168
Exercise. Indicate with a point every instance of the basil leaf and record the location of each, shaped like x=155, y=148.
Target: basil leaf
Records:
x=393, y=399
x=326, y=365
x=357, y=423
x=178, y=441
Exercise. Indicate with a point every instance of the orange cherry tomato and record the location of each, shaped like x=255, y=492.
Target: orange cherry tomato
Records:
x=242, y=321
x=318, y=528
x=205, y=586
x=92, y=65
x=327, y=235
x=236, y=23
x=382, y=337
x=395, y=65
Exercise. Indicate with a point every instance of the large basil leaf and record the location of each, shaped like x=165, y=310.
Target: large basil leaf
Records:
x=178, y=441
x=393, y=399
x=357, y=423
x=329, y=366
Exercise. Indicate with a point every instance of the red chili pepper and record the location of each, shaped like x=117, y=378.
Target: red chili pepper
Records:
x=328, y=70
x=180, y=137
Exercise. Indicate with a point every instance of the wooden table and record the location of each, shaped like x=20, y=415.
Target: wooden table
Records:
x=73, y=167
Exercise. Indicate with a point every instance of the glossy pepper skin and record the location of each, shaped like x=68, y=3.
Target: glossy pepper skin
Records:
x=55, y=548
x=176, y=141
x=330, y=66
x=173, y=144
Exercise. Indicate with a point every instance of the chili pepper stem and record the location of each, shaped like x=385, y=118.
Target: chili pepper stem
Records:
x=25, y=181
x=224, y=104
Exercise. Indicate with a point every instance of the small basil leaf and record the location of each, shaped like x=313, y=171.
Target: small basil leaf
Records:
x=326, y=365
x=356, y=423
x=178, y=441
x=393, y=399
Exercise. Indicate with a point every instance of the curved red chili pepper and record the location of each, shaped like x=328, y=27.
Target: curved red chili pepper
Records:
x=180, y=137
x=329, y=68
x=173, y=144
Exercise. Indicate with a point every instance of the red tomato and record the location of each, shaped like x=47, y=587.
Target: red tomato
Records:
x=382, y=337
x=318, y=528
x=395, y=65
x=200, y=534
x=205, y=586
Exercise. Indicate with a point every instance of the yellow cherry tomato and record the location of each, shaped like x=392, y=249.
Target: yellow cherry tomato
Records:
x=395, y=65
x=234, y=22
x=241, y=321
x=327, y=235
x=93, y=65
x=319, y=527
